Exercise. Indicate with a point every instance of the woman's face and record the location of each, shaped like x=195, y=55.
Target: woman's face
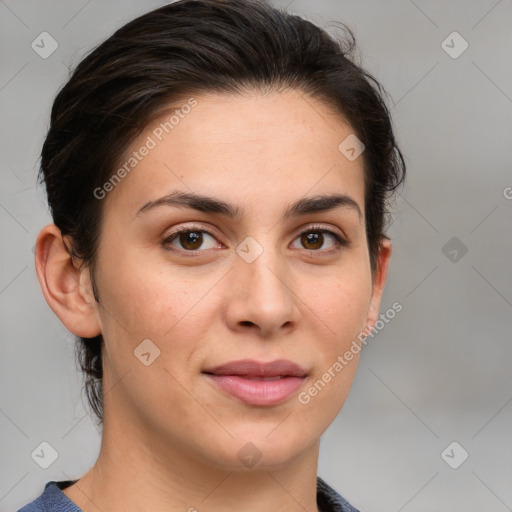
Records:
x=272, y=263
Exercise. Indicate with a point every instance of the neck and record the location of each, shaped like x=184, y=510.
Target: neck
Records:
x=135, y=471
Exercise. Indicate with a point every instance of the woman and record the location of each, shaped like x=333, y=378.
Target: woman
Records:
x=218, y=174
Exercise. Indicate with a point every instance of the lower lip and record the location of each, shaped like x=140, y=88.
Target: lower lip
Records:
x=258, y=392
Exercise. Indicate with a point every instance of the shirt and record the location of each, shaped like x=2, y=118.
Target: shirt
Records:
x=54, y=500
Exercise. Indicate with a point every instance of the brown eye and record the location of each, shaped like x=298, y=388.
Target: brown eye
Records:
x=312, y=241
x=191, y=240
x=319, y=240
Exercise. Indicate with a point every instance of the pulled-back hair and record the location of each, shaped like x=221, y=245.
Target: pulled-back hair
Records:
x=185, y=48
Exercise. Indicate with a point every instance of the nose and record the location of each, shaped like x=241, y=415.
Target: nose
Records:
x=262, y=298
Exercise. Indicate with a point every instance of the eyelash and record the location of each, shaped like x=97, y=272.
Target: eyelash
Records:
x=340, y=241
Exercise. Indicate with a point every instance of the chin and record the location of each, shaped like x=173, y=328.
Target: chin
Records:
x=261, y=452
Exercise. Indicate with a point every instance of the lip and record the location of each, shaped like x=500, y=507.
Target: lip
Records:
x=243, y=379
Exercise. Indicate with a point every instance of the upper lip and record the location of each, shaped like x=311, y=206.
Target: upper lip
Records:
x=251, y=368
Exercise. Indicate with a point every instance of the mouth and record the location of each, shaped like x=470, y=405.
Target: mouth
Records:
x=277, y=377
x=258, y=384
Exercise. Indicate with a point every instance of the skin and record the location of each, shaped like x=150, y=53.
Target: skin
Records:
x=168, y=432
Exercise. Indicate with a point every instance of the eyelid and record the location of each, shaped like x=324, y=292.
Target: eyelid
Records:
x=171, y=236
x=340, y=236
x=192, y=227
x=322, y=227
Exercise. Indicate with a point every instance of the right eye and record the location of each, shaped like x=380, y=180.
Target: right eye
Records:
x=191, y=240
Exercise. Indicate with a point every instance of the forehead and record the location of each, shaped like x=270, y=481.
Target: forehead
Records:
x=252, y=147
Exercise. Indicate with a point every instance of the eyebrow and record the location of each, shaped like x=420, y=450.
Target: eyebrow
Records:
x=202, y=203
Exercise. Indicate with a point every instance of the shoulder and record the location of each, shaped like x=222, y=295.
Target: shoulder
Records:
x=329, y=500
x=52, y=500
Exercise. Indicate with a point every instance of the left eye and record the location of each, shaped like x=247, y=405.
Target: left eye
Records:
x=192, y=240
x=317, y=239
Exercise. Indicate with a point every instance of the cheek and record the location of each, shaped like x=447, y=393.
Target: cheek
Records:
x=341, y=301
x=143, y=302
x=144, y=299
x=340, y=306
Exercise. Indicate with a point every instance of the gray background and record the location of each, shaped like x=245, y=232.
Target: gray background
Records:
x=439, y=372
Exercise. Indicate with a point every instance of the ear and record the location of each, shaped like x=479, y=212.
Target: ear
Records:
x=379, y=281
x=66, y=286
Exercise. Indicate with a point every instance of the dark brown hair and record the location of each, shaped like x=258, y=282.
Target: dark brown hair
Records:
x=184, y=48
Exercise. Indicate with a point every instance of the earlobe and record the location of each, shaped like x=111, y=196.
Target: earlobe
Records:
x=66, y=286
x=379, y=281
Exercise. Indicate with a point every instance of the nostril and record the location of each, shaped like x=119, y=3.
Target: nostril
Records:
x=247, y=323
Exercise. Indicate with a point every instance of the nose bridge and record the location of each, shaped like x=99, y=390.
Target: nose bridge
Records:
x=266, y=279
x=263, y=296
